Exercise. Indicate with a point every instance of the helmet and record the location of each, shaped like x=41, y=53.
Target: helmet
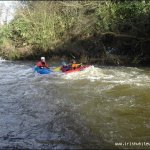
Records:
x=73, y=61
x=64, y=63
x=43, y=58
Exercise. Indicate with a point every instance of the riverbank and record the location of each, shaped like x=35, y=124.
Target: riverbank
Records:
x=103, y=32
x=102, y=49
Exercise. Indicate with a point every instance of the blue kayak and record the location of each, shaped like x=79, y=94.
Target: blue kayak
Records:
x=42, y=70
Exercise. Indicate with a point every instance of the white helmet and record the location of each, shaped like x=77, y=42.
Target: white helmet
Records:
x=64, y=63
x=43, y=58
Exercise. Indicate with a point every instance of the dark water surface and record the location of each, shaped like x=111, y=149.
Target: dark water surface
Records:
x=91, y=109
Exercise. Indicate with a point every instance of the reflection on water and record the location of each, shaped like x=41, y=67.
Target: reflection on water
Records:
x=90, y=109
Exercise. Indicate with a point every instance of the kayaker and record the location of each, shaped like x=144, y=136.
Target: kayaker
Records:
x=65, y=67
x=74, y=65
x=42, y=63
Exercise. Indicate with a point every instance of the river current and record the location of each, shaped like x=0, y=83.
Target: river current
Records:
x=95, y=108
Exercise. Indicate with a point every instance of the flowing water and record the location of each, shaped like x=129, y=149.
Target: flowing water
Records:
x=94, y=108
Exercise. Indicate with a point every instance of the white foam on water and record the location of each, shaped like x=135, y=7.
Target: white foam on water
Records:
x=89, y=73
x=128, y=75
x=2, y=60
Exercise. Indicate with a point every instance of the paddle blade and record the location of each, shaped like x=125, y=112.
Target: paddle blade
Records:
x=57, y=69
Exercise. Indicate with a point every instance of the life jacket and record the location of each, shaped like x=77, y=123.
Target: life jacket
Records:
x=65, y=68
x=42, y=64
x=74, y=66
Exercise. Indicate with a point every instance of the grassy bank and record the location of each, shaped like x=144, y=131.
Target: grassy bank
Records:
x=105, y=32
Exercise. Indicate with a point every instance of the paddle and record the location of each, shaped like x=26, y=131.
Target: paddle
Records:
x=73, y=56
x=57, y=69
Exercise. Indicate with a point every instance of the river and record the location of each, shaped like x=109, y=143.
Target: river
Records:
x=94, y=108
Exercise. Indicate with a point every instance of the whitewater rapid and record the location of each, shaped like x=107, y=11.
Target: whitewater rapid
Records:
x=93, y=108
x=116, y=75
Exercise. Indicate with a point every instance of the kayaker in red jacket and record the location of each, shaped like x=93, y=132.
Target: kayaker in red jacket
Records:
x=42, y=63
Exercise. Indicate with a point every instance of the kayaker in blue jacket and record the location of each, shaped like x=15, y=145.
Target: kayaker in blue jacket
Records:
x=65, y=67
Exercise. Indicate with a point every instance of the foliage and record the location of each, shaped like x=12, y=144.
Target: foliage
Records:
x=46, y=25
